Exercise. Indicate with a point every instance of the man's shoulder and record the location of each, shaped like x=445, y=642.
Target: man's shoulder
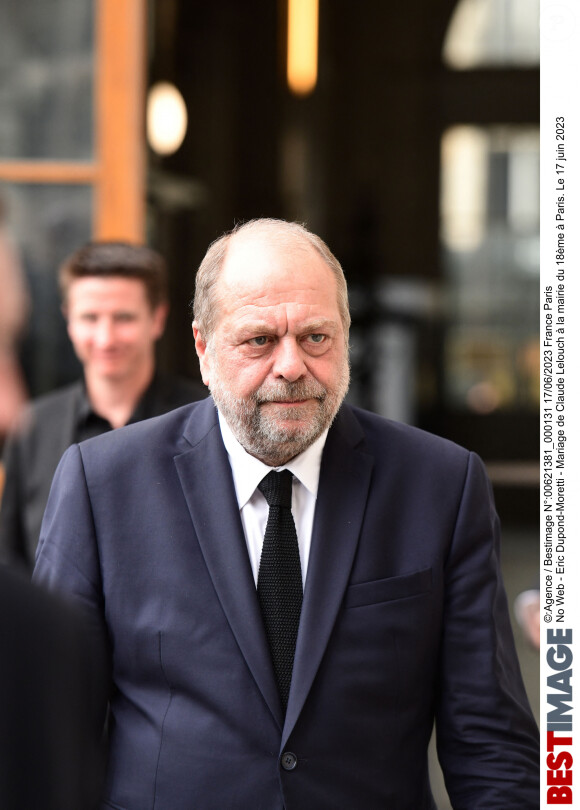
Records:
x=53, y=401
x=171, y=391
x=45, y=413
x=399, y=451
x=380, y=433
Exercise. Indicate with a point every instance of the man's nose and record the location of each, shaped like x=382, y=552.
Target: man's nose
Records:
x=288, y=360
x=104, y=332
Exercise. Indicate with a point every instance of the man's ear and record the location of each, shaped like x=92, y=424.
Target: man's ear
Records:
x=64, y=310
x=160, y=314
x=202, y=353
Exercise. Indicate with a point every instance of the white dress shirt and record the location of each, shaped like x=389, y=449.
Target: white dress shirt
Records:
x=249, y=471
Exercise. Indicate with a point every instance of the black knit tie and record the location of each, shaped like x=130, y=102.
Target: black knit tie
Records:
x=280, y=578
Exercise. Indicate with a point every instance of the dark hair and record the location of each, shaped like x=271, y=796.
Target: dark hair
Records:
x=113, y=259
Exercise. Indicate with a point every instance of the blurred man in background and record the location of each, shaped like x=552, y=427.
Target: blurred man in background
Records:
x=115, y=304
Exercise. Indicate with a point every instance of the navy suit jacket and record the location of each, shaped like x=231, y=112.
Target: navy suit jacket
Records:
x=404, y=622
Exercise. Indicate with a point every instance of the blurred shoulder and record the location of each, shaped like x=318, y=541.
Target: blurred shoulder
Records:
x=172, y=392
x=45, y=413
x=55, y=401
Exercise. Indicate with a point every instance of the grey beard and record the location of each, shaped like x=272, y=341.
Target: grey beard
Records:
x=256, y=428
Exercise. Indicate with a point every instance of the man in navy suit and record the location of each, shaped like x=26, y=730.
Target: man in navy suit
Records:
x=157, y=529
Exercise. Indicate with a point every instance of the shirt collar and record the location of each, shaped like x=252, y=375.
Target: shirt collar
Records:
x=84, y=408
x=145, y=408
x=248, y=471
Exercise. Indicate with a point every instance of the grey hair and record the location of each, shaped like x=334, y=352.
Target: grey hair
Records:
x=290, y=234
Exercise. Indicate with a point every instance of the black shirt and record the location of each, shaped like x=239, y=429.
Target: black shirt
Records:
x=162, y=395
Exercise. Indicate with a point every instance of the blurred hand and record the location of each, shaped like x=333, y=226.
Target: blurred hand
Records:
x=527, y=611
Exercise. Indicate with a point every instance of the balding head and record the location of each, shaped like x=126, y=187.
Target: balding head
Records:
x=288, y=235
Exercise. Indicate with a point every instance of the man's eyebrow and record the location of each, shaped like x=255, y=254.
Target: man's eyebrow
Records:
x=263, y=328
x=320, y=324
x=254, y=328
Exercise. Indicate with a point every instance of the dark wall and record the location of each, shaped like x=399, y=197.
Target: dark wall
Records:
x=358, y=160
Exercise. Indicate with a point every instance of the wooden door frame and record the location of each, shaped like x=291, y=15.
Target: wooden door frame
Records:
x=117, y=171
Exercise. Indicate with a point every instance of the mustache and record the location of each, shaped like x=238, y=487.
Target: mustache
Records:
x=290, y=392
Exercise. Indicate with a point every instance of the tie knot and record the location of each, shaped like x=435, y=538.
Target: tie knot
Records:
x=276, y=488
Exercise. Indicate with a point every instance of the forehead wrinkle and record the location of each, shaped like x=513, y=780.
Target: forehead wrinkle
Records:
x=307, y=326
x=270, y=305
x=300, y=317
x=263, y=296
x=275, y=261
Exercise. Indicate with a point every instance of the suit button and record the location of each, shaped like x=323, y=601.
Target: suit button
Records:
x=289, y=761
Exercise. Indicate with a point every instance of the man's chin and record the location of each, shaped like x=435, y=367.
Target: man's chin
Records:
x=288, y=432
x=275, y=431
x=110, y=372
x=276, y=445
x=289, y=414
x=295, y=431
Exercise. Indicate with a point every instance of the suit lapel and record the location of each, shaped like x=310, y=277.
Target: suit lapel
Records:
x=208, y=487
x=342, y=495
x=207, y=483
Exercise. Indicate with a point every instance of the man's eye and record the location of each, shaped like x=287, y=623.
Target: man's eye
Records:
x=261, y=340
x=317, y=338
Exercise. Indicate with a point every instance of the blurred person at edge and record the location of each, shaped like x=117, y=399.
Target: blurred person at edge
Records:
x=50, y=757
x=13, y=312
x=115, y=303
